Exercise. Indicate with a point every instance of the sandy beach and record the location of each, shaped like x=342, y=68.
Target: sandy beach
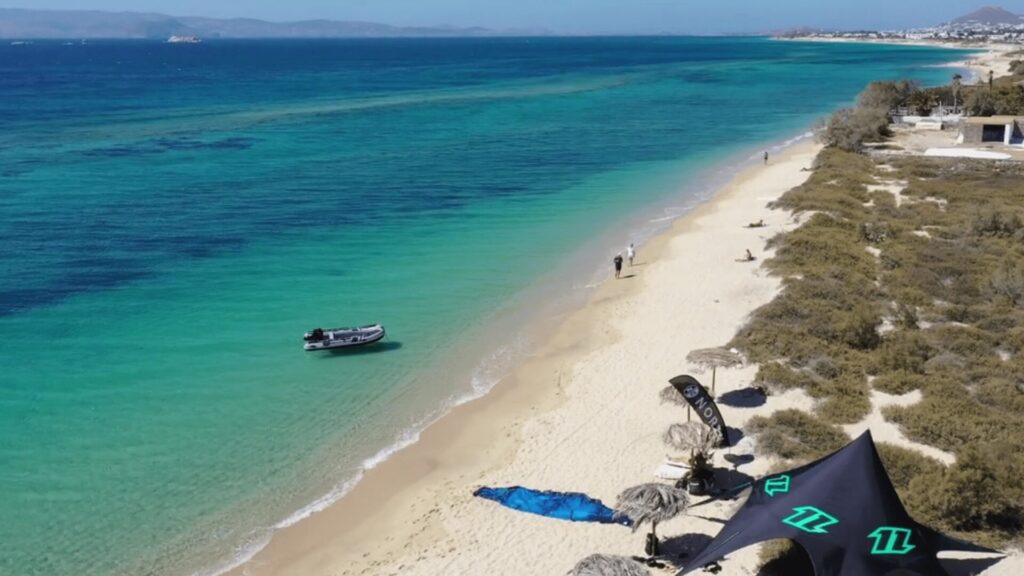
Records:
x=989, y=57
x=582, y=414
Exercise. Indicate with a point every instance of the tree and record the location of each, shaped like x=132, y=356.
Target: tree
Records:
x=956, y=90
x=849, y=128
x=886, y=95
x=923, y=101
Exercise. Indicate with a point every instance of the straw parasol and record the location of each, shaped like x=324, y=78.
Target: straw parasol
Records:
x=714, y=358
x=671, y=395
x=651, y=503
x=607, y=565
x=692, y=436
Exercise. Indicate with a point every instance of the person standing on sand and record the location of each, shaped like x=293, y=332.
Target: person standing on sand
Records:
x=765, y=157
x=618, y=264
x=631, y=253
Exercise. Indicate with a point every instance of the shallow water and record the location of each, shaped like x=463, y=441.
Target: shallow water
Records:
x=173, y=217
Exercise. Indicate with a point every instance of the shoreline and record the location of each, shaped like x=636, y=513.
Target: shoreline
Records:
x=528, y=316
x=988, y=55
x=424, y=486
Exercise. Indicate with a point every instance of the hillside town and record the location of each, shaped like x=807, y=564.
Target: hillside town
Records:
x=987, y=25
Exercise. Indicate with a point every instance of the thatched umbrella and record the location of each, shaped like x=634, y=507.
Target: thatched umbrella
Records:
x=671, y=395
x=653, y=503
x=692, y=436
x=714, y=358
x=606, y=565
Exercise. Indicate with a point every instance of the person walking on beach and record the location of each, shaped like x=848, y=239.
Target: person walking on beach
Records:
x=765, y=157
x=631, y=253
x=618, y=264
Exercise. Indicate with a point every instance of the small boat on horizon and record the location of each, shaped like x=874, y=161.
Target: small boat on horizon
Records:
x=184, y=40
x=335, y=338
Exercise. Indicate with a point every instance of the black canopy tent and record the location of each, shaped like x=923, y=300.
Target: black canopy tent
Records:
x=844, y=512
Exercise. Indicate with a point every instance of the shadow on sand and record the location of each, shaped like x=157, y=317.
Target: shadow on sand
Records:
x=734, y=434
x=743, y=398
x=738, y=460
x=683, y=546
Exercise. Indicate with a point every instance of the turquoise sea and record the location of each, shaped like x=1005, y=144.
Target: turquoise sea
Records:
x=174, y=217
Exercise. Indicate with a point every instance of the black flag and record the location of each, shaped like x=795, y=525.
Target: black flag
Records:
x=702, y=403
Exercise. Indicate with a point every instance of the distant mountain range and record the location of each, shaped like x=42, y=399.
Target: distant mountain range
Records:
x=74, y=24
x=989, y=15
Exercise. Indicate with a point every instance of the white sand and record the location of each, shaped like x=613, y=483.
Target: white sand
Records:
x=581, y=415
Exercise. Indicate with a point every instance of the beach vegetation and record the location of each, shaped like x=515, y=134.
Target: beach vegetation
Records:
x=783, y=557
x=1000, y=99
x=793, y=435
x=935, y=306
x=904, y=465
x=887, y=94
x=982, y=496
x=851, y=128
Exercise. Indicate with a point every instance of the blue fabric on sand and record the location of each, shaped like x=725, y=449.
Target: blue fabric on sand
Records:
x=564, y=505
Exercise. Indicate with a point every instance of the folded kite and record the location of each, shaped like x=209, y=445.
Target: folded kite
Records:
x=564, y=505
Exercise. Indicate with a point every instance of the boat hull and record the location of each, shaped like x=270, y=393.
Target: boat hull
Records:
x=344, y=344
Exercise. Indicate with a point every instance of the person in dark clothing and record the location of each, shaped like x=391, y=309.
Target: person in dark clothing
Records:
x=618, y=264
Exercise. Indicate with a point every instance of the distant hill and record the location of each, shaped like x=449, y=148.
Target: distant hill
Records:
x=74, y=24
x=990, y=15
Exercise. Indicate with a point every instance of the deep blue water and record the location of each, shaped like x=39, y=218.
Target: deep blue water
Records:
x=173, y=217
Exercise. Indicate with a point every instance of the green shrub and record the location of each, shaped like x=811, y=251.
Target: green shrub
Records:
x=887, y=94
x=983, y=491
x=899, y=382
x=775, y=377
x=904, y=465
x=1007, y=282
x=847, y=401
x=964, y=341
x=859, y=328
x=996, y=224
x=850, y=129
x=957, y=298
x=948, y=417
x=875, y=232
x=1000, y=100
x=783, y=557
x=793, y=434
x=903, y=351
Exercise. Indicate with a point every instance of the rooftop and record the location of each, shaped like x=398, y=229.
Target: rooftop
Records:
x=994, y=119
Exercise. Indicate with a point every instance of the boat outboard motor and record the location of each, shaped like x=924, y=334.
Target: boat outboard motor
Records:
x=315, y=336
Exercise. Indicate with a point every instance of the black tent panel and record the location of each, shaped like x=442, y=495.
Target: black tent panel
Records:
x=844, y=511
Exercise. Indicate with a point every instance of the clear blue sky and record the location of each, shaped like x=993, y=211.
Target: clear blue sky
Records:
x=574, y=16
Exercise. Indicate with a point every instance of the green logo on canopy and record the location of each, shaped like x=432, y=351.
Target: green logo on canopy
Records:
x=891, y=540
x=776, y=485
x=811, y=519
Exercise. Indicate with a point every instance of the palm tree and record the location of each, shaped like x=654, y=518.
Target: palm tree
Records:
x=651, y=503
x=607, y=565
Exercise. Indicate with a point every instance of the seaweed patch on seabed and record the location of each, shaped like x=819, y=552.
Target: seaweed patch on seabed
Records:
x=162, y=145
